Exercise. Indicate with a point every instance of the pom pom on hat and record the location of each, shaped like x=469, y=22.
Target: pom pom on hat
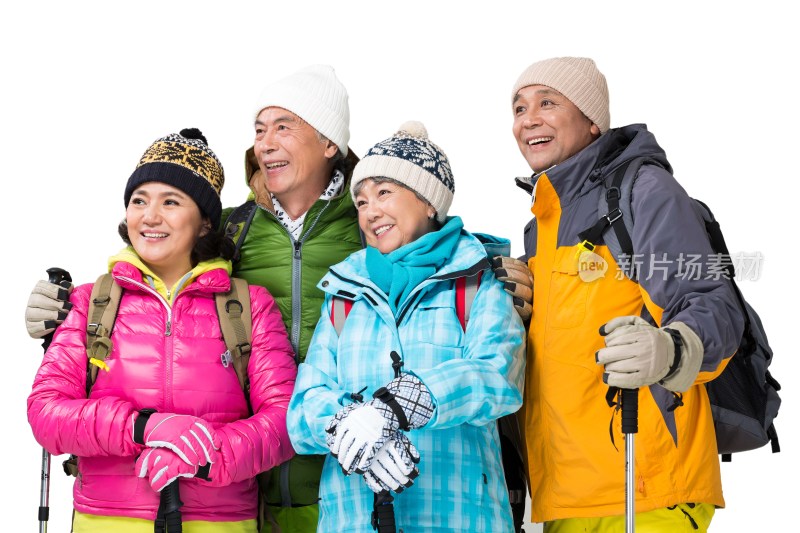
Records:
x=410, y=158
x=414, y=128
x=194, y=133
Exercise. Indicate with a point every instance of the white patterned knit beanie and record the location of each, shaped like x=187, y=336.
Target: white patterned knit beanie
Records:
x=316, y=95
x=411, y=158
x=578, y=79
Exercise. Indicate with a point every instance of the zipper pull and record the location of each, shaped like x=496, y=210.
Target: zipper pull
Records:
x=226, y=358
x=169, y=328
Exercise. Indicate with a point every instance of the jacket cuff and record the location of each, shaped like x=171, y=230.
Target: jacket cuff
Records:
x=691, y=358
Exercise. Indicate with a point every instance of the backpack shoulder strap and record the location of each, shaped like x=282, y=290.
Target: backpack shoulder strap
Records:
x=238, y=223
x=103, y=307
x=236, y=323
x=466, y=289
x=340, y=308
x=615, y=208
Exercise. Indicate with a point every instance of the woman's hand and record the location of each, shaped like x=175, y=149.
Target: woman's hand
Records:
x=190, y=438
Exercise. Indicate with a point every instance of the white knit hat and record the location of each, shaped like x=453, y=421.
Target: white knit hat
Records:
x=411, y=158
x=316, y=95
x=578, y=79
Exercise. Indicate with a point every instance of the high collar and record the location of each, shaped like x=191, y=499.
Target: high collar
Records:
x=585, y=170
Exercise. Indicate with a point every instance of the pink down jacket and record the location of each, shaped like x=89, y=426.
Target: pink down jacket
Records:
x=167, y=359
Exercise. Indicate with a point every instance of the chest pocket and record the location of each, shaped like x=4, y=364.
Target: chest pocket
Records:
x=432, y=333
x=568, y=292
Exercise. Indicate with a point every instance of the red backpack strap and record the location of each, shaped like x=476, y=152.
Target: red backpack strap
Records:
x=466, y=289
x=340, y=308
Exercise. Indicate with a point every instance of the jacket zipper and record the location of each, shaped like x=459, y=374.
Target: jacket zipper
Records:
x=167, y=333
x=297, y=308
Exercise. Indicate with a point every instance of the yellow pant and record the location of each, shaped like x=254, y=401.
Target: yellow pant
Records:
x=87, y=523
x=683, y=518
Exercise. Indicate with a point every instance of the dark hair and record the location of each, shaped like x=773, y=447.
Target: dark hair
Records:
x=210, y=246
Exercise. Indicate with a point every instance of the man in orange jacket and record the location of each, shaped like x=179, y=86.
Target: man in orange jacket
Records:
x=664, y=332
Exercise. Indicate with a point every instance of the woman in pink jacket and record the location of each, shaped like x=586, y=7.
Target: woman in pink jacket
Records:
x=165, y=406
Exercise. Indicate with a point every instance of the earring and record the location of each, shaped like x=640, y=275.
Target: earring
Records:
x=432, y=216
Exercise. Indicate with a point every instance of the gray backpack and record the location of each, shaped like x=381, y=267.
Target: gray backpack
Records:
x=744, y=397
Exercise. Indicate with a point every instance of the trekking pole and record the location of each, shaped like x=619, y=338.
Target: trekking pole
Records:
x=630, y=426
x=168, y=518
x=383, y=513
x=57, y=276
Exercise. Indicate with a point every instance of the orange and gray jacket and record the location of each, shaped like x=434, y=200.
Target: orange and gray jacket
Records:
x=576, y=468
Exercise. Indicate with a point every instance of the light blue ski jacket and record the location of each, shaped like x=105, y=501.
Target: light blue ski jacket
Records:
x=474, y=377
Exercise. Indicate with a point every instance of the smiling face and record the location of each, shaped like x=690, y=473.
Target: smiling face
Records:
x=391, y=215
x=548, y=127
x=293, y=159
x=164, y=224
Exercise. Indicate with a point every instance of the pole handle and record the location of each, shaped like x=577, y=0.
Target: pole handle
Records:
x=630, y=410
x=56, y=276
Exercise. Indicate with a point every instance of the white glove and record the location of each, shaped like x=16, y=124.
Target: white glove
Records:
x=358, y=431
x=638, y=354
x=48, y=305
x=358, y=435
x=394, y=467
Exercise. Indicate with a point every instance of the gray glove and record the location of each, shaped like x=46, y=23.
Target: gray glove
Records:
x=517, y=281
x=638, y=354
x=48, y=306
x=394, y=467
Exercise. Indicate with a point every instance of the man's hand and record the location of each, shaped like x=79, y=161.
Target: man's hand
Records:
x=517, y=281
x=48, y=306
x=638, y=354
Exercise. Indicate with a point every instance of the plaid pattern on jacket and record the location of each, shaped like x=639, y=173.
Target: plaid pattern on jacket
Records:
x=474, y=376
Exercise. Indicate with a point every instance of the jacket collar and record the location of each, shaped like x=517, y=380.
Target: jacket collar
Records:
x=584, y=170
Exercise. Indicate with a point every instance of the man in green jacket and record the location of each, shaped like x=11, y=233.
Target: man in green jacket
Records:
x=299, y=220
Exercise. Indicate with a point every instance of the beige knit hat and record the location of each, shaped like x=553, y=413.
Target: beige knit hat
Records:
x=316, y=95
x=578, y=79
x=411, y=158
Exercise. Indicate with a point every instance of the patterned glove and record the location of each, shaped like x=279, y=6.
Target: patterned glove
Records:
x=517, y=281
x=333, y=425
x=48, y=306
x=360, y=430
x=162, y=466
x=394, y=467
x=190, y=438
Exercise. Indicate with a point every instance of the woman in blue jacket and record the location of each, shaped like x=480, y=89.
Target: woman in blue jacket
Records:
x=401, y=392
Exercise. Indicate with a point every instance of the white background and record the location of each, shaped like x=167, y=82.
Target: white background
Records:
x=88, y=86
